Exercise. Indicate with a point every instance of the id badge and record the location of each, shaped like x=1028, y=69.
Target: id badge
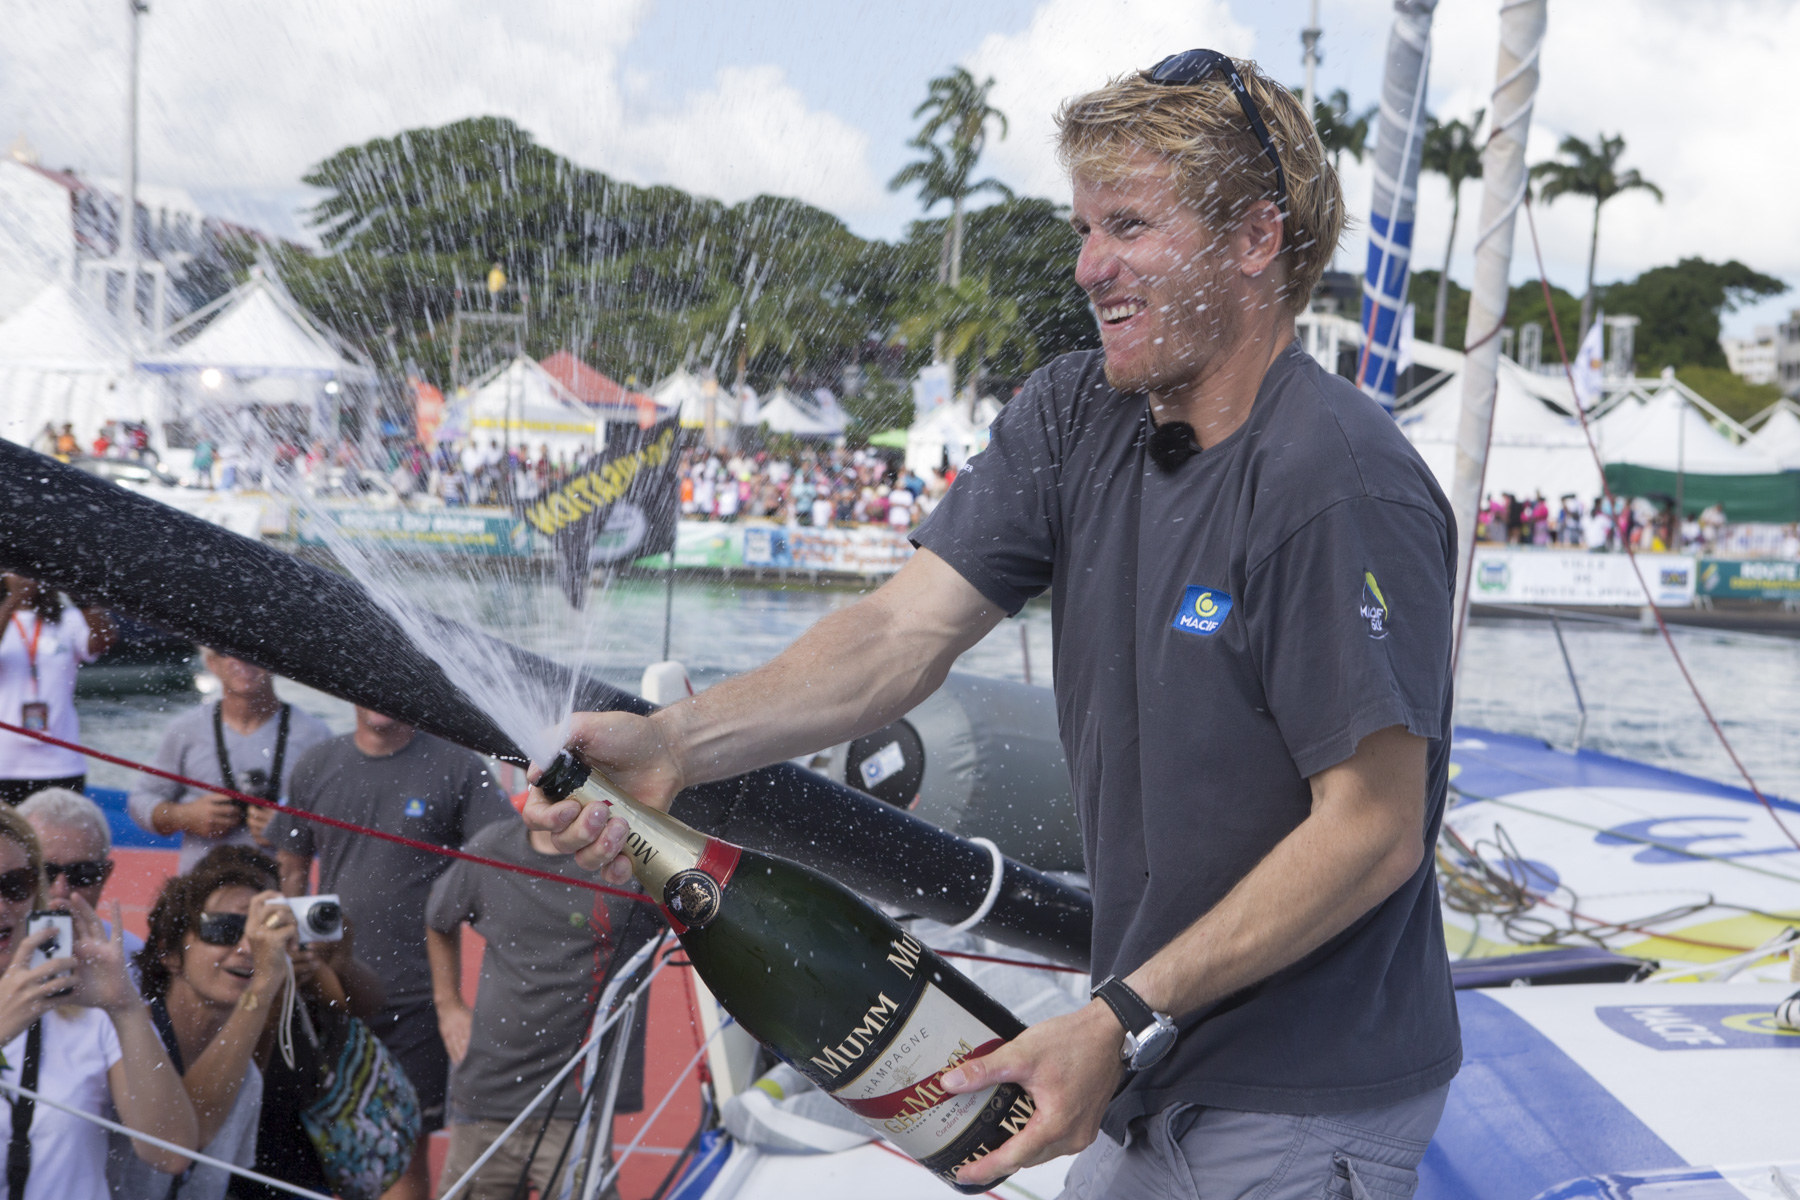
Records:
x=35, y=716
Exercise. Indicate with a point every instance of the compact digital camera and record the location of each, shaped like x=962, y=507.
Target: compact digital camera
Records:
x=320, y=918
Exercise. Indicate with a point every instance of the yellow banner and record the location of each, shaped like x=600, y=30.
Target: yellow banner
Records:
x=598, y=488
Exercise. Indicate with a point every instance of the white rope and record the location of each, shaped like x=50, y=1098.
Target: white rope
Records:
x=141, y=1136
x=993, y=892
x=544, y=1094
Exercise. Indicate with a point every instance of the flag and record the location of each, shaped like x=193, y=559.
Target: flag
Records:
x=620, y=505
x=1589, y=368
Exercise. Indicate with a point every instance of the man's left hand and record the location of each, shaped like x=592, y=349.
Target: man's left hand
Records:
x=1070, y=1067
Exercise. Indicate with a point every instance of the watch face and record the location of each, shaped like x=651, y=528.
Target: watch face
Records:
x=1155, y=1042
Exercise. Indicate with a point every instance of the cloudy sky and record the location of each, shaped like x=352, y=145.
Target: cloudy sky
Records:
x=812, y=98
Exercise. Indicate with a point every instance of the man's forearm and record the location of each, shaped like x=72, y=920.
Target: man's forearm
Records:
x=852, y=672
x=444, y=951
x=1363, y=839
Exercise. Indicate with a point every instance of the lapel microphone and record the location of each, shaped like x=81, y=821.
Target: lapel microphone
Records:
x=1171, y=444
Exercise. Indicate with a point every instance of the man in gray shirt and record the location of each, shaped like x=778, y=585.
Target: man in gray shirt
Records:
x=390, y=777
x=247, y=740
x=1250, y=573
x=550, y=950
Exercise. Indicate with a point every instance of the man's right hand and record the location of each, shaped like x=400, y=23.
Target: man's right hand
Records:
x=632, y=752
x=210, y=815
x=455, y=1021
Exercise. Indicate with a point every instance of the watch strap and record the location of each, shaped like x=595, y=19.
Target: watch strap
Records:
x=1135, y=1015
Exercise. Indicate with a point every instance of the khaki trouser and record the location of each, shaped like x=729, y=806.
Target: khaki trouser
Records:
x=468, y=1140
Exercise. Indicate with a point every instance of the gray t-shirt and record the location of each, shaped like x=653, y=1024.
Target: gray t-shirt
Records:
x=189, y=748
x=430, y=791
x=1223, y=631
x=549, y=950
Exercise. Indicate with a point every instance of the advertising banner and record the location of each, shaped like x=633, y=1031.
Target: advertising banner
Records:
x=851, y=550
x=1750, y=579
x=1519, y=576
x=436, y=532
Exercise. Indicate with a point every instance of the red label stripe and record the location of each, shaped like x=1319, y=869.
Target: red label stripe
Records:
x=927, y=1093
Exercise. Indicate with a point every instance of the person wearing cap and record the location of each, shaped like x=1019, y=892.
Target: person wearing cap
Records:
x=1250, y=573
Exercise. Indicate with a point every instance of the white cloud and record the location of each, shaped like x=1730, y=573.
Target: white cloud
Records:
x=1703, y=98
x=251, y=95
x=1074, y=46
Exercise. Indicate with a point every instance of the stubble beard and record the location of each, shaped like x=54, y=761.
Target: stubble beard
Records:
x=1192, y=341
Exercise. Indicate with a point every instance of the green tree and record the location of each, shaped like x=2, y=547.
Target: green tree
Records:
x=1453, y=151
x=1341, y=131
x=1736, y=396
x=977, y=321
x=956, y=116
x=1679, y=309
x=1591, y=171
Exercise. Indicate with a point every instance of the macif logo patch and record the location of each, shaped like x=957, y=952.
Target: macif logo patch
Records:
x=1699, y=1026
x=1202, y=611
x=1374, y=607
x=415, y=807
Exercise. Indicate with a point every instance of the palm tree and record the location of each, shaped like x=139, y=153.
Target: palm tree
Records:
x=973, y=319
x=956, y=106
x=1593, y=170
x=1453, y=151
x=1340, y=131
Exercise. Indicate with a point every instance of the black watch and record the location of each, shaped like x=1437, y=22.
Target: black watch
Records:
x=1149, y=1035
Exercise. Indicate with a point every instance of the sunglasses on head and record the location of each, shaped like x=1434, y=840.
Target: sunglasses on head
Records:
x=1198, y=66
x=18, y=884
x=82, y=874
x=220, y=929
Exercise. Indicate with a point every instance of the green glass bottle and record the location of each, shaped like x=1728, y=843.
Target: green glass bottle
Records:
x=827, y=982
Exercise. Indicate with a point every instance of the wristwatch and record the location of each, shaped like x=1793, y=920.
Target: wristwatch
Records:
x=1149, y=1035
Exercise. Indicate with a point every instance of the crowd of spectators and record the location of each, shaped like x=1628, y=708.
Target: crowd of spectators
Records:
x=1640, y=523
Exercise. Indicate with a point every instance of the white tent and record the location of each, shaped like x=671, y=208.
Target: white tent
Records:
x=1779, y=436
x=521, y=404
x=1534, y=448
x=689, y=395
x=945, y=435
x=1671, y=434
x=817, y=415
x=62, y=362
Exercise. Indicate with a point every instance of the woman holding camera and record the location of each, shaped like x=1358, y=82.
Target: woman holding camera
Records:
x=74, y=1030
x=213, y=967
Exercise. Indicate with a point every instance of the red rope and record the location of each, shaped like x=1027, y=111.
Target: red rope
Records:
x=1655, y=608
x=428, y=847
x=347, y=826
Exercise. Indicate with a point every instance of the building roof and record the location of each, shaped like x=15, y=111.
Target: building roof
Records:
x=590, y=386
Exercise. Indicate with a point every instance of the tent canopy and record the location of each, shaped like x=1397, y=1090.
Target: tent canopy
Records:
x=63, y=363
x=1534, y=448
x=257, y=330
x=520, y=404
x=688, y=395
x=596, y=390
x=817, y=415
x=57, y=331
x=1778, y=438
x=945, y=434
x=1672, y=435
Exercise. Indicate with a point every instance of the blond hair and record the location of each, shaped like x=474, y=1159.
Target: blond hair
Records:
x=15, y=828
x=1218, y=163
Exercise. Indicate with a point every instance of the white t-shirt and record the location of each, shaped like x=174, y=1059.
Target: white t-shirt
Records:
x=68, y=1154
x=61, y=647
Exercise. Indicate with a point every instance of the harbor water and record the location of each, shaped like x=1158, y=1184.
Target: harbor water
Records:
x=1513, y=678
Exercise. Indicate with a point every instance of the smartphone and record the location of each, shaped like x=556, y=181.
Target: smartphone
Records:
x=62, y=945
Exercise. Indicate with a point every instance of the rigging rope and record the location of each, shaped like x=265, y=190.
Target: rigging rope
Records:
x=1655, y=608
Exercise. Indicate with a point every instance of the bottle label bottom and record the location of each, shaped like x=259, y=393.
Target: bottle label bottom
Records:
x=900, y=1092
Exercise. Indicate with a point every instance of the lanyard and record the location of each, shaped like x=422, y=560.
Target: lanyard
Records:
x=272, y=789
x=37, y=631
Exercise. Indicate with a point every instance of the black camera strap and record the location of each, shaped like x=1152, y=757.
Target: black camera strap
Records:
x=226, y=777
x=18, y=1151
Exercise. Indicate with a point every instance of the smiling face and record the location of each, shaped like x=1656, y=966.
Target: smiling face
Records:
x=217, y=975
x=1157, y=274
x=13, y=913
x=236, y=676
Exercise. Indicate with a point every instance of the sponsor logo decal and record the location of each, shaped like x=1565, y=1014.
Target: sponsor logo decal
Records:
x=1698, y=1026
x=1493, y=576
x=415, y=807
x=1202, y=611
x=1374, y=608
x=694, y=896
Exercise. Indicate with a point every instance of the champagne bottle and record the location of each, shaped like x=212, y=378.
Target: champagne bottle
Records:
x=827, y=982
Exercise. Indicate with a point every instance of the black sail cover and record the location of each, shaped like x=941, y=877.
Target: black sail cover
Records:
x=108, y=545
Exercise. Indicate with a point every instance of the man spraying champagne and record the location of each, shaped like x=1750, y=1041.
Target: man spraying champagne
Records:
x=1251, y=578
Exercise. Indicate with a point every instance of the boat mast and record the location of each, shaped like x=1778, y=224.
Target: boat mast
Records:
x=1309, y=41
x=127, y=251
x=1398, y=146
x=1504, y=180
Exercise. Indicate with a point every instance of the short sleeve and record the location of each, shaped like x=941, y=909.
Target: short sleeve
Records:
x=151, y=790
x=997, y=524
x=286, y=831
x=1350, y=621
x=107, y=1039
x=455, y=898
x=483, y=803
x=77, y=633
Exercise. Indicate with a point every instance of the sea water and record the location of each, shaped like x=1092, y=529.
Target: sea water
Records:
x=1513, y=678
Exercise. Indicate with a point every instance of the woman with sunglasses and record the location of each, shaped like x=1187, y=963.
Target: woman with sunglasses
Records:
x=213, y=966
x=74, y=1030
